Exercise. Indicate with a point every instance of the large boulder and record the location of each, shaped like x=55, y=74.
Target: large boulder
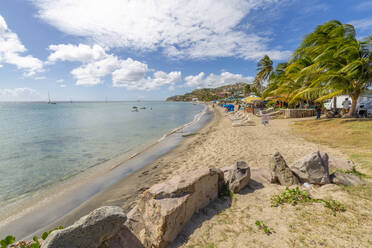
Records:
x=91, y=231
x=123, y=239
x=237, y=176
x=312, y=168
x=280, y=171
x=346, y=179
x=337, y=163
x=164, y=209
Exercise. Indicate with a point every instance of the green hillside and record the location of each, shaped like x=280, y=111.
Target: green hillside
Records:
x=210, y=94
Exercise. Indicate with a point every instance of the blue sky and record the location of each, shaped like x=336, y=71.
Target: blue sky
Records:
x=147, y=49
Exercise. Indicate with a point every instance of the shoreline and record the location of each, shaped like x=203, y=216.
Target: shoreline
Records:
x=73, y=198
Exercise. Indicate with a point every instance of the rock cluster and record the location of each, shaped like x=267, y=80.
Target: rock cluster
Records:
x=160, y=214
x=313, y=169
x=164, y=209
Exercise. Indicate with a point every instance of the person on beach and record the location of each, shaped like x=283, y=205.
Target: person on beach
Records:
x=265, y=119
x=346, y=105
x=318, y=110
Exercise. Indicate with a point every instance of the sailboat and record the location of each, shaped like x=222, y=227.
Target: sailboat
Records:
x=50, y=102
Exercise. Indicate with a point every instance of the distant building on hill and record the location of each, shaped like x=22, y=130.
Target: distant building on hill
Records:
x=223, y=94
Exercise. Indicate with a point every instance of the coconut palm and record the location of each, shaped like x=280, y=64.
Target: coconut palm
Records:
x=340, y=64
x=264, y=70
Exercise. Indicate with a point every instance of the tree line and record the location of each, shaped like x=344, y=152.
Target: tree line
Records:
x=330, y=61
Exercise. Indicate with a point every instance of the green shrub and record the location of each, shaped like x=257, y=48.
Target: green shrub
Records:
x=294, y=196
x=23, y=244
x=7, y=241
x=291, y=196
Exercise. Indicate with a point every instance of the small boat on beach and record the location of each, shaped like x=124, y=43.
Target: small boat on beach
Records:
x=134, y=109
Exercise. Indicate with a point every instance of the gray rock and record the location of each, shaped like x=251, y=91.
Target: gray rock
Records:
x=164, y=209
x=237, y=176
x=123, y=239
x=90, y=231
x=336, y=163
x=346, y=179
x=312, y=168
x=280, y=172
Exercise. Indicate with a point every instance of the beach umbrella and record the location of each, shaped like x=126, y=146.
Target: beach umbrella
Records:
x=250, y=99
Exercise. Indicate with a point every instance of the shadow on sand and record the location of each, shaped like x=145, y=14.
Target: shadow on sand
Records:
x=207, y=213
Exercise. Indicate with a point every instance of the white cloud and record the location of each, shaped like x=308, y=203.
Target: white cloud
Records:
x=81, y=52
x=92, y=73
x=132, y=76
x=130, y=71
x=96, y=64
x=63, y=86
x=213, y=80
x=362, y=24
x=183, y=28
x=19, y=94
x=11, y=50
x=60, y=81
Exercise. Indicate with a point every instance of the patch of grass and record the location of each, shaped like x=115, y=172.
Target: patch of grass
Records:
x=262, y=226
x=352, y=136
x=359, y=191
x=295, y=196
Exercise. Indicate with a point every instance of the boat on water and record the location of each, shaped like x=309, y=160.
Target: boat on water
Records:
x=50, y=102
x=134, y=109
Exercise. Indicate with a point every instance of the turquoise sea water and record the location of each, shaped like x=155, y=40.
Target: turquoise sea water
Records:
x=42, y=144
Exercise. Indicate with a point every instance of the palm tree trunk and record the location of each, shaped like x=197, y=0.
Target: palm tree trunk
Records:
x=334, y=104
x=352, y=111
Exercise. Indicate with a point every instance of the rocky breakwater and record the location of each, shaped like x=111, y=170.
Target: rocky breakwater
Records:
x=159, y=215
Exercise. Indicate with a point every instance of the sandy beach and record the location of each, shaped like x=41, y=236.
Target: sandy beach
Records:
x=232, y=224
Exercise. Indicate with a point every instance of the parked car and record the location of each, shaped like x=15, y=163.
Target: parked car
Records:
x=364, y=109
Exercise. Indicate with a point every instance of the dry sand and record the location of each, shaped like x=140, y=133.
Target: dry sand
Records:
x=232, y=223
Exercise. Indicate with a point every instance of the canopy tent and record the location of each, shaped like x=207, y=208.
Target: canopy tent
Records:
x=250, y=99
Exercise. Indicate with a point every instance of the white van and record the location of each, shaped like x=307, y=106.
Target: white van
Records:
x=328, y=105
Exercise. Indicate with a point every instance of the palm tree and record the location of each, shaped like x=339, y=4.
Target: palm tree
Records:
x=340, y=64
x=264, y=68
